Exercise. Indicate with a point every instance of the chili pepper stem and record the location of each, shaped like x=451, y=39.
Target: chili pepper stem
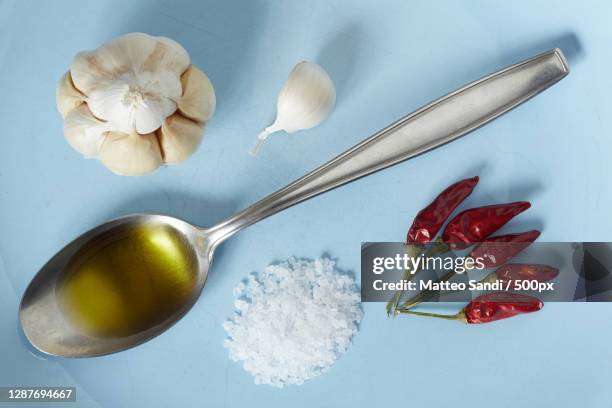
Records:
x=490, y=278
x=413, y=250
x=459, y=316
x=392, y=304
x=438, y=247
x=424, y=296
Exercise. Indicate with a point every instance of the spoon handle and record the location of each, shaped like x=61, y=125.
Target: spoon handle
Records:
x=440, y=122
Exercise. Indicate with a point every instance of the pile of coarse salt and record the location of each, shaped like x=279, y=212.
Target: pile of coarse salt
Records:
x=293, y=320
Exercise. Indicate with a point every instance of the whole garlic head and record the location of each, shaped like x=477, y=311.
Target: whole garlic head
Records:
x=135, y=103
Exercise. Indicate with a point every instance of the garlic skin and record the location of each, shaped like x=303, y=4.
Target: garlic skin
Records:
x=198, y=100
x=130, y=154
x=136, y=103
x=179, y=138
x=67, y=96
x=305, y=100
x=84, y=132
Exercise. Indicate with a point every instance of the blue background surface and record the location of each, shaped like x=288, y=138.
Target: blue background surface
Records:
x=387, y=59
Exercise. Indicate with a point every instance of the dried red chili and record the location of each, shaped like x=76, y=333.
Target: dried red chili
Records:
x=428, y=222
x=476, y=224
x=537, y=272
x=499, y=305
x=498, y=250
x=491, y=307
x=430, y=219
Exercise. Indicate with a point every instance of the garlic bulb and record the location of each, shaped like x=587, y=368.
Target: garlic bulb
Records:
x=136, y=103
x=305, y=100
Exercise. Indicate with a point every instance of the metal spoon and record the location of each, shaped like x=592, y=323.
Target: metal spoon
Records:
x=442, y=121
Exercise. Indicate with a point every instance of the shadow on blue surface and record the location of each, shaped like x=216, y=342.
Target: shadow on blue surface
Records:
x=568, y=42
x=341, y=56
x=195, y=209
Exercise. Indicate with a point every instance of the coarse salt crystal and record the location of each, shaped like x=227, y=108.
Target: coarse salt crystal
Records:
x=293, y=321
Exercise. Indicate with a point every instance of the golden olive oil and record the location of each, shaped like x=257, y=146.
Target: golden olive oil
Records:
x=128, y=280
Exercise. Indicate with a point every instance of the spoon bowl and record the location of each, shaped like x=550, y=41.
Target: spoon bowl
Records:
x=46, y=323
x=51, y=328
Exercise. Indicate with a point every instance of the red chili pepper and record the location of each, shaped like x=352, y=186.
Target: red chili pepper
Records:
x=537, y=272
x=430, y=219
x=476, y=224
x=491, y=307
x=499, y=305
x=498, y=250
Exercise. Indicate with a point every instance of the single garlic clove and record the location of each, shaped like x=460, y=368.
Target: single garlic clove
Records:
x=67, y=97
x=180, y=58
x=179, y=137
x=131, y=154
x=84, y=132
x=305, y=100
x=198, y=100
x=132, y=81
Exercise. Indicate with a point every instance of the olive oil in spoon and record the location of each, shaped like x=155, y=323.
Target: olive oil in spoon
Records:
x=127, y=281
